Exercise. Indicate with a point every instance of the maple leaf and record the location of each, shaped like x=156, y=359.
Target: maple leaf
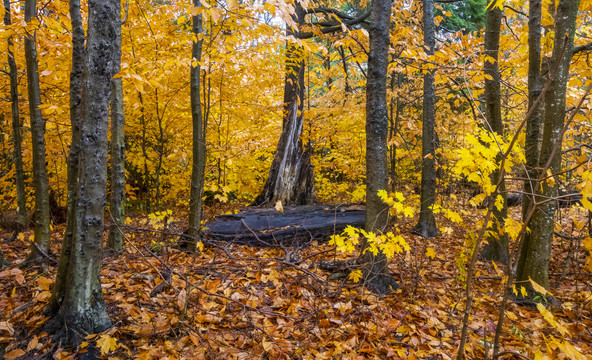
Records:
x=355, y=275
x=431, y=253
x=107, y=344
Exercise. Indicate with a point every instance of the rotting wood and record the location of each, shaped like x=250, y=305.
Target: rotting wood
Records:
x=294, y=226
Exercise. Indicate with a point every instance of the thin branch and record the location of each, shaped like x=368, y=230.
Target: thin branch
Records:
x=586, y=47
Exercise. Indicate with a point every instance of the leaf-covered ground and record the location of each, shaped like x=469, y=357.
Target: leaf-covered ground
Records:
x=238, y=302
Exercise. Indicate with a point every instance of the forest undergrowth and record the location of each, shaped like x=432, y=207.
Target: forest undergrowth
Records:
x=238, y=302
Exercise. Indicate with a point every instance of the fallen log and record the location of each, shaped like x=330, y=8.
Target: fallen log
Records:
x=295, y=226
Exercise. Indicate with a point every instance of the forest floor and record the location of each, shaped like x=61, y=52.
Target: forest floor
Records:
x=240, y=302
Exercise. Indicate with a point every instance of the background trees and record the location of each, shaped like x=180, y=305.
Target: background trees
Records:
x=330, y=88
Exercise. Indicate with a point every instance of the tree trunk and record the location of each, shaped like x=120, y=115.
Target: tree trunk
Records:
x=117, y=200
x=291, y=178
x=40, y=180
x=21, y=219
x=497, y=246
x=426, y=227
x=536, y=249
x=375, y=267
x=199, y=144
x=78, y=54
x=82, y=309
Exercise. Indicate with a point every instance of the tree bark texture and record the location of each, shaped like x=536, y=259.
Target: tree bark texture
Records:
x=375, y=270
x=426, y=227
x=533, y=124
x=199, y=144
x=82, y=308
x=536, y=249
x=497, y=246
x=21, y=220
x=40, y=180
x=117, y=198
x=291, y=178
x=78, y=55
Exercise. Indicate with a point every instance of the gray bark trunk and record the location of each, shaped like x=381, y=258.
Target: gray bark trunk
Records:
x=40, y=180
x=117, y=199
x=536, y=249
x=21, y=220
x=497, y=247
x=83, y=309
x=78, y=54
x=426, y=227
x=375, y=270
x=291, y=179
x=199, y=145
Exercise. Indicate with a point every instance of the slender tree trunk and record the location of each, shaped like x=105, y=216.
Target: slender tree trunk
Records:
x=375, y=270
x=426, y=227
x=117, y=199
x=78, y=54
x=533, y=124
x=291, y=179
x=199, y=145
x=82, y=309
x=21, y=209
x=497, y=247
x=536, y=250
x=145, y=152
x=40, y=180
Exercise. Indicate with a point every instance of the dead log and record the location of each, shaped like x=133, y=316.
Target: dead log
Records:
x=564, y=199
x=295, y=226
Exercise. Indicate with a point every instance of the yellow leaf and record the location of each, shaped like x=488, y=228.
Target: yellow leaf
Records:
x=431, y=253
x=541, y=290
x=107, y=344
x=355, y=275
x=278, y=206
x=550, y=178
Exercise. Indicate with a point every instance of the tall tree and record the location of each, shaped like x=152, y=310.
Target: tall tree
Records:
x=117, y=199
x=426, y=227
x=497, y=247
x=536, y=247
x=21, y=220
x=78, y=54
x=81, y=308
x=375, y=268
x=199, y=144
x=40, y=179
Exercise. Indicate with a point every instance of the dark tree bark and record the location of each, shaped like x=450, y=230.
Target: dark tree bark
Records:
x=199, y=144
x=291, y=179
x=82, y=309
x=536, y=248
x=426, y=227
x=21, y=210
x=117, y=199
x=497, y=246
x=78, y=54
x=375, y=267
x=40, y=180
